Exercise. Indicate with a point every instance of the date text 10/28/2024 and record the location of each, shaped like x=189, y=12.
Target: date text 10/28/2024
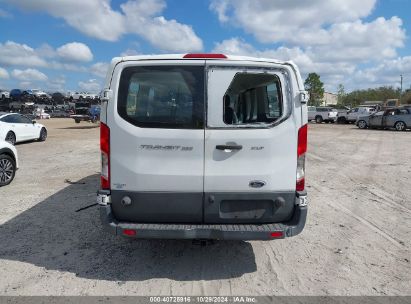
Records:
x=203, y=299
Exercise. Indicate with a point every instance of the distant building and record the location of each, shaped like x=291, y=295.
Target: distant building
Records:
x=330, y=99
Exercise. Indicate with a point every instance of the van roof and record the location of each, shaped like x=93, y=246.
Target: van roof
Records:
x=198, y=56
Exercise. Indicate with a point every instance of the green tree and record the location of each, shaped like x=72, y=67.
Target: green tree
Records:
x=315, y=88
x=376, y=94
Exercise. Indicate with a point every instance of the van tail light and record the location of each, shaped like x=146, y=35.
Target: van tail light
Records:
x=105, y=156
x=301, y=150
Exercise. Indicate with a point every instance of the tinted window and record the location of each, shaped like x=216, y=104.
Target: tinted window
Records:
x=24, y=119
x=13, y=118
x=162, y=96
x=253, y=98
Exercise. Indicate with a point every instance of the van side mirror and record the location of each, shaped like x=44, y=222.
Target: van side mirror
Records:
x=33, y=121
x=106, y=95
x=304, y=96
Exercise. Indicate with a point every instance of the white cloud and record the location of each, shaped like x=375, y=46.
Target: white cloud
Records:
x=4, y=74
x=12, y=53
x=65, y=57
x=327, y=37
x=56, y=84
x=273, y=21
x=29, y=75
x=90, y=85
x=129, y=52
x=237, y=46
x=75, y=52
x=96, y=18
x=142, y=18
x=99, y=69
x=385, y=74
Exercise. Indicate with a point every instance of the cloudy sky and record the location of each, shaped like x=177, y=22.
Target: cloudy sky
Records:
x=66, y=44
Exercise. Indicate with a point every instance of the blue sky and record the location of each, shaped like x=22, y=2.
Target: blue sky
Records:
x=67, y=44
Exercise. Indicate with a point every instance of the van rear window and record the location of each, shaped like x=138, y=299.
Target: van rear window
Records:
x=253, y=99
x=170, y=97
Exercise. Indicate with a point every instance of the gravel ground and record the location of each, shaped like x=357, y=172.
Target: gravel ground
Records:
x=356, y=241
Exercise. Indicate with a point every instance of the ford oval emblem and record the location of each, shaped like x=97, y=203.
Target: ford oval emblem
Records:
x=257, y=184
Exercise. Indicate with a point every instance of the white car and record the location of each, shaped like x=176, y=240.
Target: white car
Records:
x=320, y=114
x=82, y=95
x=41, y=114
x=203, y=146
x=9, y=163
x=39, y=93
x=16, y=128
x=4, y=94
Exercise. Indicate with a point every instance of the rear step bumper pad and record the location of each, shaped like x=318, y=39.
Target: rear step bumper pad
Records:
x=199, y=231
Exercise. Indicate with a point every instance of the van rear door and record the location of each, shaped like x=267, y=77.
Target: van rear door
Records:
x=250, y=145
x=157, y=141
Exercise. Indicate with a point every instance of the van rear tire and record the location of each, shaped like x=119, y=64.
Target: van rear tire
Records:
x=318, y=119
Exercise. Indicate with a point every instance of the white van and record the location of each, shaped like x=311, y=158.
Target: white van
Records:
x=203, y=146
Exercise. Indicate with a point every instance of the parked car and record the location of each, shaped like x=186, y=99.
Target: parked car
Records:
x=41, y=114
x=15, y=94
x=196, y=147
x=322, y=114
x=15, y=127
x=9, y=163
x=24, y=96
x=4, y=94
x=58, y=98
x=41, y=96
x=352, y=115
x=398, y=118
x=342, y=113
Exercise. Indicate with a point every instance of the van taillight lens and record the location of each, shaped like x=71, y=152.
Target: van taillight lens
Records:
x=301, y=150
x=105, y=156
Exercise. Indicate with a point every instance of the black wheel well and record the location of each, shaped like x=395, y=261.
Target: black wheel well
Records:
x=11, y=132
x=400, y=121
x=8, y=152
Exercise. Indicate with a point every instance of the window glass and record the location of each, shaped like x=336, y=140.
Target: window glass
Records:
x=163, y=96
x=253, y=99
x=10, y=118
x=24, y=119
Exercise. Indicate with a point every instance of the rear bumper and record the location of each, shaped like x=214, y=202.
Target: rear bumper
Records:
x=199, y=231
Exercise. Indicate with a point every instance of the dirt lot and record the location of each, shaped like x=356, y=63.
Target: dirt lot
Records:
x=356, y=242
